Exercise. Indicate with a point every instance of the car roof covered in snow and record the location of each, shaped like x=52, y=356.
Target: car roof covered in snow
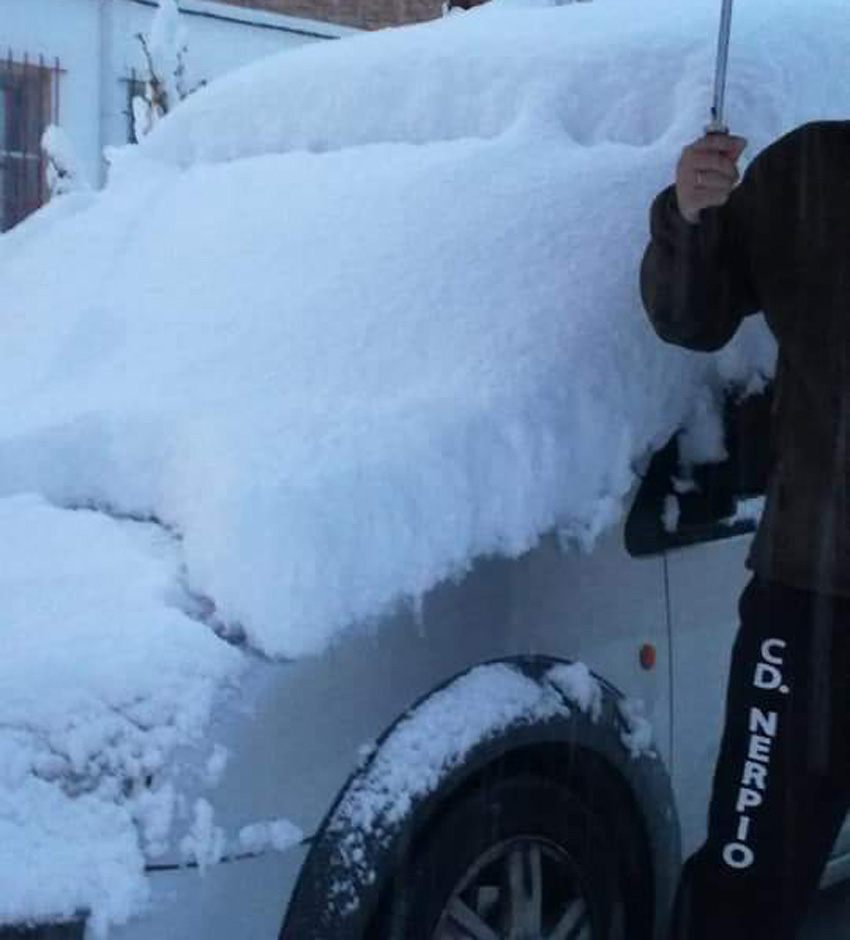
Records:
x=381, y=295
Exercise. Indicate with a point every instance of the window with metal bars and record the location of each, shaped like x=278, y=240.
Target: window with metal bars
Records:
x=29, y=102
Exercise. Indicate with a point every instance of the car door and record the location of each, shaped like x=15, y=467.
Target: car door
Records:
x=702, y=520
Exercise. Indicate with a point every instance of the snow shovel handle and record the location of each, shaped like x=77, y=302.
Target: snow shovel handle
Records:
x=717, y=125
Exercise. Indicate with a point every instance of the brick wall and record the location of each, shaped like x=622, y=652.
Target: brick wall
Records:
x=367, y=14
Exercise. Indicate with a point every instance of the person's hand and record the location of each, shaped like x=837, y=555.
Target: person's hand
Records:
x=707, y=173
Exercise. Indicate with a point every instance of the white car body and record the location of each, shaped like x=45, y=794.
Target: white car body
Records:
x=600, y=609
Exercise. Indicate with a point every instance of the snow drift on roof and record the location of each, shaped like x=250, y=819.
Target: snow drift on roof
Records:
x=342, y=375
x=628, y=71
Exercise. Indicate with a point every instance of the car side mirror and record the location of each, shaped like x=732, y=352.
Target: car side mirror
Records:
x=717, y=500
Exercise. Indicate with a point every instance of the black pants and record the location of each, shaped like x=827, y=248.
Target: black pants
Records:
x=782, y=781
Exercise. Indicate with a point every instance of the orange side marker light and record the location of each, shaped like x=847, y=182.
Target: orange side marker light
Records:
x=648, y=656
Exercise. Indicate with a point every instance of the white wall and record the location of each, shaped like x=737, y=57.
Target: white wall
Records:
x=95, y=42
x=67, y=29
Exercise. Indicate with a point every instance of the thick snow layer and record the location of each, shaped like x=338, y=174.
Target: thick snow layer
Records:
x=346, y=319
x=102, y=677
x=380, y=297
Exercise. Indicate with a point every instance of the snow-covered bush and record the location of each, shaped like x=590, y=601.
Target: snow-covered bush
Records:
x=165, y=50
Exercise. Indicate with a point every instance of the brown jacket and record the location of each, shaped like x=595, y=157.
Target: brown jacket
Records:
x=780, y=245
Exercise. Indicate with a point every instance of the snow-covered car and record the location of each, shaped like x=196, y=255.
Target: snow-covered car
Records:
x=369, y=567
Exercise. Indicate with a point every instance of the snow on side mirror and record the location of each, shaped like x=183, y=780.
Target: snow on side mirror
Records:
x=681, y=504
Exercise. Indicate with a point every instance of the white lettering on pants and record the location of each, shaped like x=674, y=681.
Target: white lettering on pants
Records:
x=763, y=728
x=754, y=775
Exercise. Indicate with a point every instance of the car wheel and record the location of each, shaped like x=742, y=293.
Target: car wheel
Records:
x=521, y=858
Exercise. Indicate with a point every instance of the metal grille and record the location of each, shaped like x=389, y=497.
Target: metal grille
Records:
x=29, y=101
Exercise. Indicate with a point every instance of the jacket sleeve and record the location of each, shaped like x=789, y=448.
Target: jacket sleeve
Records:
x=695, y=279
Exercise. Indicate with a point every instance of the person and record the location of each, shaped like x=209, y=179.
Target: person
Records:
x=777, y=241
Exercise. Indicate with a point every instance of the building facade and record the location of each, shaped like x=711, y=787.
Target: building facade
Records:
x=76, y=63
x=364, y=14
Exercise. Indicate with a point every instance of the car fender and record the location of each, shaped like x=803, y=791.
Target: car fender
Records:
x=379, y=812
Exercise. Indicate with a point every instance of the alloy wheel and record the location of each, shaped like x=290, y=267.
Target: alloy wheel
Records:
x=525, y=888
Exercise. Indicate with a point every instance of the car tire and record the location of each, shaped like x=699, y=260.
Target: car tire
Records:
x=517, y=858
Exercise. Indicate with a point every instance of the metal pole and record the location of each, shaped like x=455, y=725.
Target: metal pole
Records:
x=107, y=70
x=717, y=125
x=23, y=164
x=43, y=122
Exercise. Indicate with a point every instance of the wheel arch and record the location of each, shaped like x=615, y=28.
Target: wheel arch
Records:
x=335, y=900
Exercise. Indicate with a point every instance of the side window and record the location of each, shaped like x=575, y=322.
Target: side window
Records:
x=713, y=500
